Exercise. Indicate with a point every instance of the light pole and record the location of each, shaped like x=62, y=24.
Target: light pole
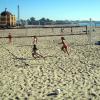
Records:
x=90, y=30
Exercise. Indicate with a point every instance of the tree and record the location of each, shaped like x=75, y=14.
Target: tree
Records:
x=42, y=21
x=28, y=22
x=32, y=20
x=22, y=22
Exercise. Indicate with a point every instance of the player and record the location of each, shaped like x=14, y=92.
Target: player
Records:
x=10, y=37
x=64, y=47
x=34, y=52
x=34, y=40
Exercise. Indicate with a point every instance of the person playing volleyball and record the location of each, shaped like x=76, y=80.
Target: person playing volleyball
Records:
x=34, y=52
x=64, y=47
x=10, y=37
x=34, y=40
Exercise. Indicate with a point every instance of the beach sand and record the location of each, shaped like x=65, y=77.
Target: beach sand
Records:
x=24, y=78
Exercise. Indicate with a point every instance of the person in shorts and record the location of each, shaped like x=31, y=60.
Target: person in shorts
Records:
x=34, y=40
x=64, y=47
x=10, y=37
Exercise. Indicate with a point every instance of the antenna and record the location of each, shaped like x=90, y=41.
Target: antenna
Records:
x=18, y=16
x=5, y=9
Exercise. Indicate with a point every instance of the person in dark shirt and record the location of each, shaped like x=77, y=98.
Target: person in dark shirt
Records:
x=34, y=52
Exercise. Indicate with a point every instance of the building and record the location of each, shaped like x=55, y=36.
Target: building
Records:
x=7, y=19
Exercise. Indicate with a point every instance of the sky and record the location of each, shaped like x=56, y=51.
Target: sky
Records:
x=54, y=9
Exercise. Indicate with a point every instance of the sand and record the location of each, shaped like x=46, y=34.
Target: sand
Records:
x=24, y=78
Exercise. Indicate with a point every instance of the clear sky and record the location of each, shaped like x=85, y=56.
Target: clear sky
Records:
x=54, y=9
